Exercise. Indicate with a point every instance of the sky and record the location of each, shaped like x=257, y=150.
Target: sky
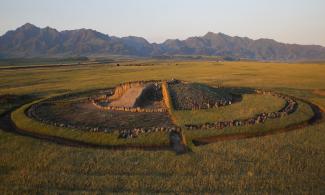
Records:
x=288, y=21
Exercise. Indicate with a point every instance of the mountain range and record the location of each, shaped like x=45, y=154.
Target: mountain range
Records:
x=32, y=41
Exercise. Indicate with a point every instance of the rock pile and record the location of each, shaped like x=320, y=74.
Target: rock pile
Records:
x=191, y=96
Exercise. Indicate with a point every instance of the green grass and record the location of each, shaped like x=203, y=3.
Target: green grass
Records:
x=287, y=163
x=250, y=105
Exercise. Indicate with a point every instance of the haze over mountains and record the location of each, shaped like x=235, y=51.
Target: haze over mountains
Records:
x=31, y=41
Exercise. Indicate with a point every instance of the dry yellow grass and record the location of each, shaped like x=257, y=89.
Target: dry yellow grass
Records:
x=320, y=92
x=289, y=163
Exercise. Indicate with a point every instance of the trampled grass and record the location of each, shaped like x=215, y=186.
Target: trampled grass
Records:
x=283, y=163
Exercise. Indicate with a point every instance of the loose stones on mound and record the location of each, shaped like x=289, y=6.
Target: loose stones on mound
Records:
x=189, y=96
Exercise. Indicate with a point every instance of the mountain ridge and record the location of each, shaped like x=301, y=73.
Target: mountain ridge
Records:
x=29, y=40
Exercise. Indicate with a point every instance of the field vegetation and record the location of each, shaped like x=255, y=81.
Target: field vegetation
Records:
x=250, y=105
x=290, y=162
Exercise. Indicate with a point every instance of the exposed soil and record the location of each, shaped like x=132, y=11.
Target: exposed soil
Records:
x=141, y=94
x=129, y=98
x=151, y=97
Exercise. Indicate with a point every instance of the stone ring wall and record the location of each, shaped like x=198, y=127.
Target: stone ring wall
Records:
x=290, y=107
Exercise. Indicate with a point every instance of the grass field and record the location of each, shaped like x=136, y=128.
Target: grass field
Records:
x=283, y=163
x=241, y=110
x=303, y=113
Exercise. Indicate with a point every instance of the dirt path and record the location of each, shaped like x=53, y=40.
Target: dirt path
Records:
x=129, y=97
x=177, y=142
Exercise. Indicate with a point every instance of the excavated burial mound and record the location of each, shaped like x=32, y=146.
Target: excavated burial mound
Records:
x=144, y=95
x=129, y=106
x=140, y=107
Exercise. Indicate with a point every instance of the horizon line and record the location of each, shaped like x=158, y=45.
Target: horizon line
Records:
x=155, y=42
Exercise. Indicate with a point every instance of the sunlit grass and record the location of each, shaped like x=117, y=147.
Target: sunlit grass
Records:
x=287, y=163
x=251, y=105
x=303, y=113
